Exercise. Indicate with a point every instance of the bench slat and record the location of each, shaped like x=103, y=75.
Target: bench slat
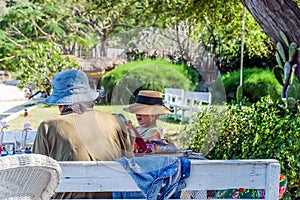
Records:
x=100, y=176
x=186, y=101
x=211, y=175
x=95, y=177
x=272, y=178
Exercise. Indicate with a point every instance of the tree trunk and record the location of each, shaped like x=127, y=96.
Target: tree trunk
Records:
x=278, y=15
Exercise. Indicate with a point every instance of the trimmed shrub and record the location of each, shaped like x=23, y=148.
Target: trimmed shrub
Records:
x=263, y=130
x=125, y=81
x=257, y=83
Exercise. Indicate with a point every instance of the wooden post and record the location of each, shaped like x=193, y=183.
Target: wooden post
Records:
x=272, y=181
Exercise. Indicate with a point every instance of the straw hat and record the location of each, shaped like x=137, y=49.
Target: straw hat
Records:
x=69, y=87
x=148, y=102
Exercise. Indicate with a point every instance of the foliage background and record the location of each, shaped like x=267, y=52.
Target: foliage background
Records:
x=257, y=83
x=264, y=130
x=148, y=74
x=39, y=64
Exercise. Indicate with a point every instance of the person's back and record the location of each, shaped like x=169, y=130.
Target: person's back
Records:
x=80, y=133
x=90, y=136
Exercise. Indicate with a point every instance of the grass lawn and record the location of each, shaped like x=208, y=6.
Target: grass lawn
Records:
x=37, y=113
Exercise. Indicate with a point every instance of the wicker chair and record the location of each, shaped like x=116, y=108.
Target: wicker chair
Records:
x=28, y=176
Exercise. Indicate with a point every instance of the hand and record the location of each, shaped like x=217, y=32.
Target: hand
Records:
x=130, y=126
x=133, y=129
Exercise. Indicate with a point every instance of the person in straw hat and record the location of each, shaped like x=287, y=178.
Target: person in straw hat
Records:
x=147, y=108
x=80, y=133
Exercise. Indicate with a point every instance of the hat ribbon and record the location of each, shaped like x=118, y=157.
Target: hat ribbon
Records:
x=149, y=100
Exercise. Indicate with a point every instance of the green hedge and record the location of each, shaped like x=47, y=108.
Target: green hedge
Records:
x=126, y=80
x=257, y=83
x=263, y=130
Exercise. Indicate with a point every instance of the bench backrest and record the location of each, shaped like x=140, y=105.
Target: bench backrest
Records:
x=101, y=176
x=17, y=141
x=173, y=96
x=205, y=97
x=197, y=98
x=12, y=137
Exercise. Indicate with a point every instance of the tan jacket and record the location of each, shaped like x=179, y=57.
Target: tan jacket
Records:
x=92, y=136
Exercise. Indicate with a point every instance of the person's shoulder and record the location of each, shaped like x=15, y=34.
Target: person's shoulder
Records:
x=53, y=119
x=107, y=117
x=154, y=129
x=104, y=114
x=155, y=132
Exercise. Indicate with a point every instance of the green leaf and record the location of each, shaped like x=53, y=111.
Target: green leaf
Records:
x=239, y=94
x=292, y=51
x=284, y=38
x=281, y=51
x=278, y=59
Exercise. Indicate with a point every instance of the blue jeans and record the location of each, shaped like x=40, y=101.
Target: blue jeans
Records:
x=157, y=177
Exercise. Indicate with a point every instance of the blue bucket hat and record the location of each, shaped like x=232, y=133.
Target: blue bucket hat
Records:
x=69, y=87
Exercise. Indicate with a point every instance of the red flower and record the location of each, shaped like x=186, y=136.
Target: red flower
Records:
x=241, y=189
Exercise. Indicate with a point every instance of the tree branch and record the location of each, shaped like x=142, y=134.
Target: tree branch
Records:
x=7, y=58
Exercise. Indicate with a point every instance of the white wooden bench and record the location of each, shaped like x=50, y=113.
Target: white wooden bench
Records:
x=193, y=102
x=16, y=139
x=103, y=176
x=173, y=98
x=109, y=176
x=186, y=101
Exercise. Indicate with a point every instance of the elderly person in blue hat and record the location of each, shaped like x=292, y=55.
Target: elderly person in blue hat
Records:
x=80, y=133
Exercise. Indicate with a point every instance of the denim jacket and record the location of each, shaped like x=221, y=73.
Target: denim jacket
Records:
x=157, y=177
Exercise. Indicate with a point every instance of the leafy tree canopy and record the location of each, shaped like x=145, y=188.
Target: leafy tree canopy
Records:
x=39, y=63
x=215, y=25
